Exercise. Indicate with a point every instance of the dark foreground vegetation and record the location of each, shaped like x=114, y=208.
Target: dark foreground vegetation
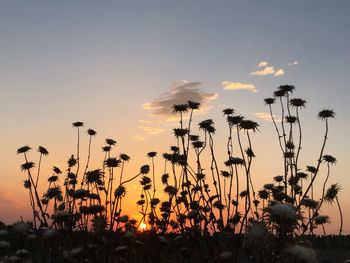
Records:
x=211, y=212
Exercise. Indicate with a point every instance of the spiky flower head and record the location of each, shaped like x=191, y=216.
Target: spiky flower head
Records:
x=234, y=120
x=228, y=111
x=119, y=191
x=329, y=159
x=310, y=203
x=311, y=169
x=106, y=148
x=194, y=138
x=175, y=149
x=165, y=178
x=124, y=157
x=144, y=169
x=53, y=192
x=72, y=161
x=320, y=220
x=286, y=88
x=197, y=144
x=325, y=114
x=23, y=149
x=111, y=142
x=93, y=176
x=278, y=178
x=193, y=105
x=302, y=175
x=180, y=108
x=77, y=124
x=56, y=170
x=27, y=166
x=283, y=211
x=178, y=132
x=225, y=174
x=112, y=162
x=43, y=150
x=27, y=184
x=291, y=119
x=249, y=125
x=91, y=132
x=269, y=101
x=279, y=93
x=297, y=103
x=263, y=194
x=332, y=193
x=152, y=154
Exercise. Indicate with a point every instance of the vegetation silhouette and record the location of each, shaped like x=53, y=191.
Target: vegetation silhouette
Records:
x=207, y=215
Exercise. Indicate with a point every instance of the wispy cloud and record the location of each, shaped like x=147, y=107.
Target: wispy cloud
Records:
x=262, y=64
x=238, y=85
x=266, y=116
x=139, y=137
x=279, y=72
x=151, y=130
x=293, y=63
x=162, y=106
x=265, y=71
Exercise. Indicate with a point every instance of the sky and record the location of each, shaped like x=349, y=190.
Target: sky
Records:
x=119, y=65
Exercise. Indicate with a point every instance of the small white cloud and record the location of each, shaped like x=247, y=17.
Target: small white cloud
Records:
x=265, y=71
x=151, y=130
x=279, y=72
x=293, y=63
x=262, y=64
x=266, y=116
x=139, y=137
x=238, y=85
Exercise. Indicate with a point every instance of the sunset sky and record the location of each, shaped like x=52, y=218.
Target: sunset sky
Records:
x=119, y=65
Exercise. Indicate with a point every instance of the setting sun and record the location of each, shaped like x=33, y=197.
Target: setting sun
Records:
x=143, y=226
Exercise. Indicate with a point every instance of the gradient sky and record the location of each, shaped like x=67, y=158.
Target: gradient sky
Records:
x=106, y=62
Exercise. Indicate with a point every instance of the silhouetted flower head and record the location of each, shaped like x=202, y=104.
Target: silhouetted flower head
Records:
x=145, y=180
x=225, y=174
x=27, y=166
x=27, y=184
x=311, y=169
x=193, y=105
x=206, y=125
x=91, y=132
x=43, y=150
x=287, y=88
x=290, y=145
x=178, y=132
x=309, y=203
x=228, y=111
x=93, y=176
x=278, y=178
x=72, y=161
x=291, y=119
x=144, y=169
x=56, y=170
x=180, y=108
x=269, y=186
x=175, y=149
x=332, y=193
x=106, y=148
x=52, y=179
x=112, y=162
x=296, y=102
x=23, y=149
x=194, y=138
x=152, y=154
x=124, y=157
x=170, y=190
x=320, y=220
x=269, y=101
x=234, y=120
x=302, y=175
x=329, y=159
x=77, y=124
x=53, y=192
x=197, y=144
x=325, y=114
x=279, y=93
x=288, y=155
x=249, y=125
x=165, y=178
x=111, y=142
x=263, y=194
x=119, y=191
x=250, y=152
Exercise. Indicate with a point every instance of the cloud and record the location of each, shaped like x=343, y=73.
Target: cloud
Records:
x=262, y=64
x=238, y=85
x=139, y=137
x=279, y=72
x=162, y=106
x=293, y=63
x=266, y=116
x=151, y=130
x=265, y=71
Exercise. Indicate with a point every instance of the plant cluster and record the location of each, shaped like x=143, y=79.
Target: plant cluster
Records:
x=203, y=198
